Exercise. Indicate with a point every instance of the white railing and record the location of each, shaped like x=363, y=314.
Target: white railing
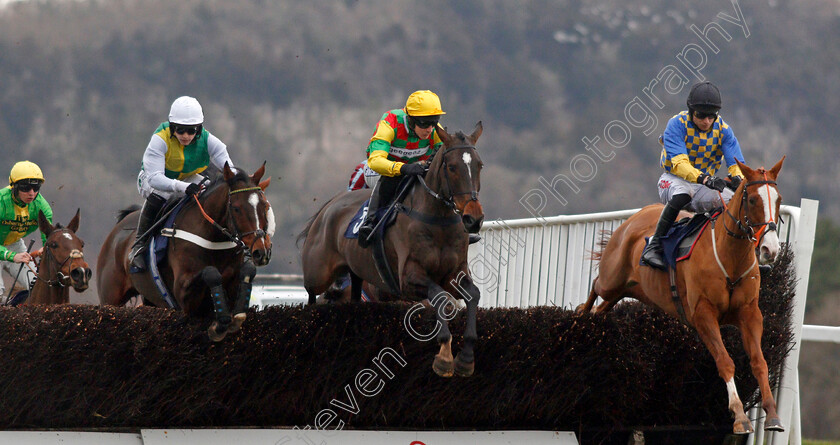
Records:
x=542, y=261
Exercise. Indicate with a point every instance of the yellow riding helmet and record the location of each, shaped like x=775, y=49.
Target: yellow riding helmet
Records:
x=423, y=103
x=25, y=170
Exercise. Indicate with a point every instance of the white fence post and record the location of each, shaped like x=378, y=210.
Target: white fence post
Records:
x=788, y=398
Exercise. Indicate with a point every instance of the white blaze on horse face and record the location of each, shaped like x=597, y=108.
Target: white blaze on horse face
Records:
x=67, y=235
x=467, y=159
x=269, y=217
x=254, y=200
x=770, y=242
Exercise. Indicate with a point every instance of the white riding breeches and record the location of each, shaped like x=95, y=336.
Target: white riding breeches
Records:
x=703, y=199
x=8, y=270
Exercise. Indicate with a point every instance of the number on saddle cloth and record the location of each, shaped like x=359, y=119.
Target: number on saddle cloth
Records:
x=352, y=230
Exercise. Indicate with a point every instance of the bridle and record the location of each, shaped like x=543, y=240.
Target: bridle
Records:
x=60, y=279
x=449, y=201
x=747, y=227
x=236, y=236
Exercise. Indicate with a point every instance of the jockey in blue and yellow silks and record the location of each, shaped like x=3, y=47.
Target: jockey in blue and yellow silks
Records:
x=694, y=144
x=179, y=150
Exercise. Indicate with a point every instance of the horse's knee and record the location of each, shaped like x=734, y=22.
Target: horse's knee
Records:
x=211, y=276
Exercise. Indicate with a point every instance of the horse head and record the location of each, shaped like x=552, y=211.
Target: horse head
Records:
x=249, y=212
x=65, y=261
x=758, y=211
x=455, y=174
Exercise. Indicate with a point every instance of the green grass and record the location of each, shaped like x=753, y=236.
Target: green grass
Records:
x=819, y=442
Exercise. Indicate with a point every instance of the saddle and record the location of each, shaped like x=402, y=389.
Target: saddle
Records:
x=679, y=242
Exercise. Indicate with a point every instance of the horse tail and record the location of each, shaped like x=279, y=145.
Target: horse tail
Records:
x=126, y=211
x=602, y=243
x=305, y=232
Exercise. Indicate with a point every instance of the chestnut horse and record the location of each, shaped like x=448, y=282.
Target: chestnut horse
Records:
x=62, y=264
x=426, y=246
x=211, y=256
x=718, y=284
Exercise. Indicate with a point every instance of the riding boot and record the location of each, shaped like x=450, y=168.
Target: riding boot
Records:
x=150, y=210
x=366, y=229
x=652, y=255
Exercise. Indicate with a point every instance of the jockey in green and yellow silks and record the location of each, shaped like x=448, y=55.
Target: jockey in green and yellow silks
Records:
x=20, y=204
x=179, y=150
x=403, y=140
x=694, y=144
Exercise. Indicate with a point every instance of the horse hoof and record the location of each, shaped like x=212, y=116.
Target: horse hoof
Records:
x=442, y=366
x=214, y=334
x=236, y=323
x=774, y=424
x=462, y=368
x=742, y=427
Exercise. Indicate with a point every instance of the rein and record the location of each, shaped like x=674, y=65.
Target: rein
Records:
x=60, y=280
x=746, y=229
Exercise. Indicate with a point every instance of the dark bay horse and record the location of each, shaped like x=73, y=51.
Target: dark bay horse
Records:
x=62, y=264
x=426, y=246
x=717, y=285
x=218, y=239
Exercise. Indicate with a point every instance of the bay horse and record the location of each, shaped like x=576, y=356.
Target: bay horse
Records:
x=426, y=246
x=62, y=264
x=718, y=284
x=218, y=239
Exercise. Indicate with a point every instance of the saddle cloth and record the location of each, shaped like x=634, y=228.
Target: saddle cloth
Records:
x=679, y=243
x=352, y=230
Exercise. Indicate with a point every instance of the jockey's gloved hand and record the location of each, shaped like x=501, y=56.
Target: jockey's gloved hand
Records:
x=712, y=182
x=192, y=189
x=413, y=169
x=734, y=182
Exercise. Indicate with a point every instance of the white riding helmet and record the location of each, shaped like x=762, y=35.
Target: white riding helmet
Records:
x=186, y=111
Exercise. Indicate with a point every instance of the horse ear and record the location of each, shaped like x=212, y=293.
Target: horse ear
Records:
x=227, y=172
x=258, y=174
x=775, y=170
x=263, y=185
x=748, y=172
x=74, y=223
x=476, y=132
x=44, y=224
x=443, y=135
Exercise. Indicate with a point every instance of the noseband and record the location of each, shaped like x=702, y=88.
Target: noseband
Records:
x=747, y=228
x=450, y=200
x=60, y=279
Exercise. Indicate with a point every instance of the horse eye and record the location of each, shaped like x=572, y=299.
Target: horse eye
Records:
x=452, y=168
x=53, y=245
x=752, y=200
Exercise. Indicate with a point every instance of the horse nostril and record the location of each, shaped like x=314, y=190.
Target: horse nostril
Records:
x=469, y=220
x=88, y=274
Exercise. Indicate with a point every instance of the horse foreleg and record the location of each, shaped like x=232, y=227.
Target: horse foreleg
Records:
x=465, y=361
x=750, y=322
x=213, y=279
x=243, y=297
x=706, y=322
x=443, y=364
